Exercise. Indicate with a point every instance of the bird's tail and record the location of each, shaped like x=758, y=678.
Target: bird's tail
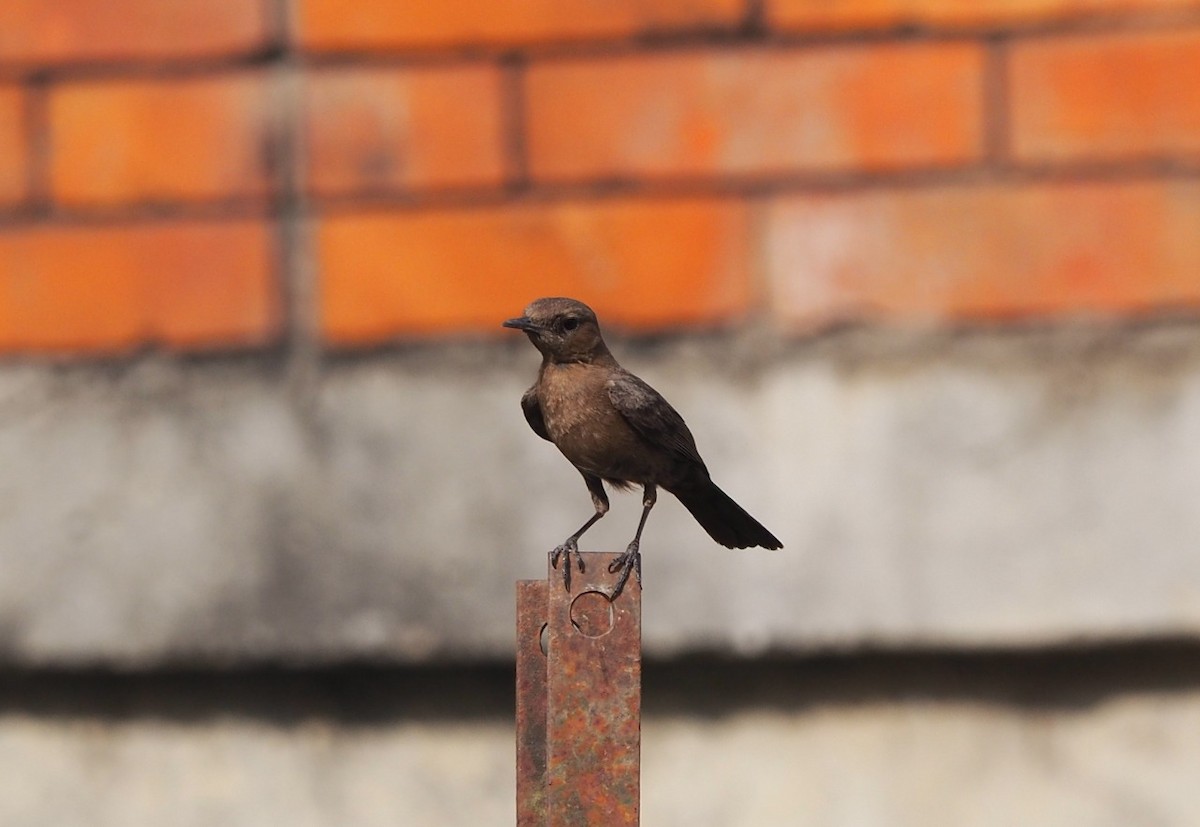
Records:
x=723, y=519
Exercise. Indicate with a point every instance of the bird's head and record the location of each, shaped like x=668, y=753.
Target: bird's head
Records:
x=564, y=330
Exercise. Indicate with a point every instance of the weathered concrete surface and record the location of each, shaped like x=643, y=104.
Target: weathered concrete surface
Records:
x=928, y=764
x=1125, y=762
x=244, y=773
x=986, y=489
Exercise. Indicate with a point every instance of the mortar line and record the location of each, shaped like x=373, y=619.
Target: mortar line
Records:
x=297, y=276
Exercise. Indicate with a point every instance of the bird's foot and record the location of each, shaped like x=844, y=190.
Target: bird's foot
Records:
x=628, y=561
x=571, y=546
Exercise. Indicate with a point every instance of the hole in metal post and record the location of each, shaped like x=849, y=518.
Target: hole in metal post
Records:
x=544, y=639
x=592, y=614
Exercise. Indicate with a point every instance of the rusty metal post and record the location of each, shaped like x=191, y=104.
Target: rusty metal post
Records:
x=531, y=704
x=589, y=771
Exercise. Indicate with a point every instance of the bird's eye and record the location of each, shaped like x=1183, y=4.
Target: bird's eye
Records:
x=570, y=324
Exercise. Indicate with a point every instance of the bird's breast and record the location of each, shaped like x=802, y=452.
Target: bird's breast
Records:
x=583, y=423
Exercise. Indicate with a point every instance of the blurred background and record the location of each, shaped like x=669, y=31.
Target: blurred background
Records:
x=924, y=278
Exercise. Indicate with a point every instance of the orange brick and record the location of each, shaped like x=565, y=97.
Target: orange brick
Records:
x=333, y=24
x=161, y=140
x=78, y=30
x=645, y=263
x=371, y=129
x=183, y=284
x=1105, y=97
x=987, y=252
x=848, y=14
x=756, y=112
x=13, y=151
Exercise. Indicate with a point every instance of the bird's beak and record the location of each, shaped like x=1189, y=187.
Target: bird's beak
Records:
x=521, y=323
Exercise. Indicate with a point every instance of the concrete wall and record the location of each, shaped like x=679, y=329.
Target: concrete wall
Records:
x=1004, y=489
x=1013, y=491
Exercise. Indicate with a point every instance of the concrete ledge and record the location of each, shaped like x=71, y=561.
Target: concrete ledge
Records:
x=991, y=489
x=1055, y=740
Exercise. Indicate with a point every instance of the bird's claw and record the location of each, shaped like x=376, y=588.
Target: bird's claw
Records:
x=571, y=546
x=628, y=561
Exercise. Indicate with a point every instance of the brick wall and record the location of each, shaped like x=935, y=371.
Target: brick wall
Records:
x=203, y=174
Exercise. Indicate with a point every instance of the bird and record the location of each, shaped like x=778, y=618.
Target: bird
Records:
x=615, y=428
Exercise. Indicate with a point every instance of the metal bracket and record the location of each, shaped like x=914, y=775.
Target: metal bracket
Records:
x=579, y=701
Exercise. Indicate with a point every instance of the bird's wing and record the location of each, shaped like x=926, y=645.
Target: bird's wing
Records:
x=651, y=416
x=533, y=413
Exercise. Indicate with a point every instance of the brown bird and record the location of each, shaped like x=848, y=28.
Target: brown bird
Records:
x=614, y=427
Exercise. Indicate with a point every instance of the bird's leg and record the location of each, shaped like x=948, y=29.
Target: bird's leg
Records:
x=571, y=544
x=631, y=558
